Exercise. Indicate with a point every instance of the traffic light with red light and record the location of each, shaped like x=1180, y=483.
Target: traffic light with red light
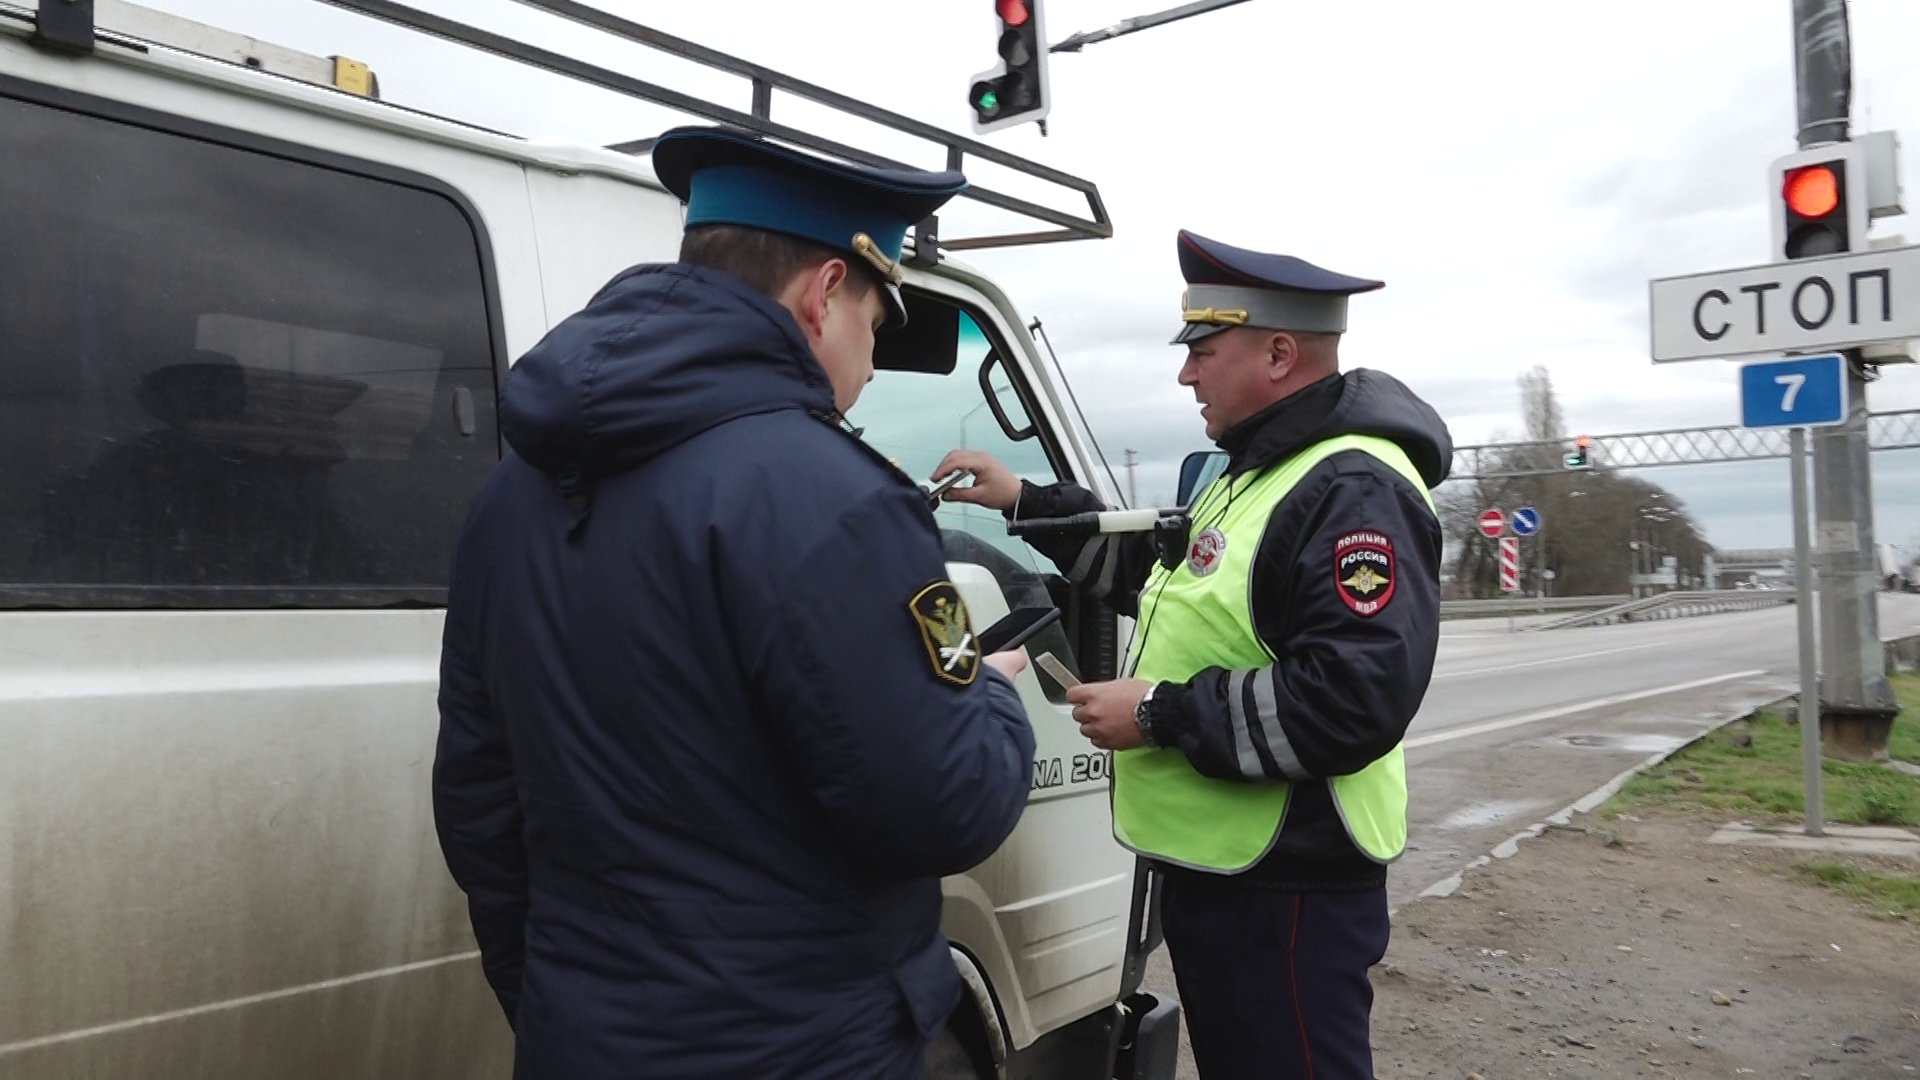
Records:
x=1819, y=202
x=1582, y=455
x=1816, y=210
x=1014, y=90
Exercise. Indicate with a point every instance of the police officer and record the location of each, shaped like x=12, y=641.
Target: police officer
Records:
x=713, y=724
x=1277, y=662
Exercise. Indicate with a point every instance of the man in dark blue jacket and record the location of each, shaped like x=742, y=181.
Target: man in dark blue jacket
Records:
x=713, y=724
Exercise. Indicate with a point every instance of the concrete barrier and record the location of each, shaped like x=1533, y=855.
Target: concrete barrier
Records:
x=1676, y=605
x=1524, y=605
x=1903, y=654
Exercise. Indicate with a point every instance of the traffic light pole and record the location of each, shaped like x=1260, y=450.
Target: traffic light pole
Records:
x=1857, y=705
x=1141, y=22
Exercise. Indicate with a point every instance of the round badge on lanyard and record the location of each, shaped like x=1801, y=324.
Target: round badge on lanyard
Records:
x=1204, y=554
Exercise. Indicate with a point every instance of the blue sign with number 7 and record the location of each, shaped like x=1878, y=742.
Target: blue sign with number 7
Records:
x=1806, y=391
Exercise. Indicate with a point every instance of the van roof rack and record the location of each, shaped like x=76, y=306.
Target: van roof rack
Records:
x=56, y=19
x=73, y=26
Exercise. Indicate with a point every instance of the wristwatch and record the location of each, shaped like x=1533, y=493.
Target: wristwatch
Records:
x=1143, y=718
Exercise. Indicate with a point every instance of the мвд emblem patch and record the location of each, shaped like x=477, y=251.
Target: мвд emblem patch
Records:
x=942, y=618
x=1205, y=552
x=1363, y=571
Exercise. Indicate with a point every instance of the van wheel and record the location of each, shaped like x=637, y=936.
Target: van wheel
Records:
x=948, y=1059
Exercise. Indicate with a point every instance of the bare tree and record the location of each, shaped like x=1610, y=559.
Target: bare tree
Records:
x=1540, y=407
x=1598, y=527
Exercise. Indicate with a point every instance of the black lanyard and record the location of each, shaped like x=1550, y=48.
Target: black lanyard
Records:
x=1144, y=624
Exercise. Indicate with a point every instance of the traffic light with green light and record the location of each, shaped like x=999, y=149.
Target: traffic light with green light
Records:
x=1014, y=90
x=1582, y=455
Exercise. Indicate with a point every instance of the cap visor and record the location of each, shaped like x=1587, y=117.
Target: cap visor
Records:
x=1194, y=331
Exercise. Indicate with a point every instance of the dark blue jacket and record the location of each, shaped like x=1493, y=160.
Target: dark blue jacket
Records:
x=696, y=773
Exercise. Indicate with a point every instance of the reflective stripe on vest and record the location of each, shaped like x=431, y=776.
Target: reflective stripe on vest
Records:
x=1164, y=809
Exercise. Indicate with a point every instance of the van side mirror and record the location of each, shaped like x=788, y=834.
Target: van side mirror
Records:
x=929, y=342
x=1200, y=468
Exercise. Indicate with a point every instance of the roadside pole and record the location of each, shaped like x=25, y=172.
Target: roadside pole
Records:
x=1809, y=678
x=1510, y=573
x=1798, y=393
x=1821, y=202
x=1857, y=702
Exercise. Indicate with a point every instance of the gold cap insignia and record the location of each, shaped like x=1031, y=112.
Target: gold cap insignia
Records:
x=1220, y=316
x=870, y=251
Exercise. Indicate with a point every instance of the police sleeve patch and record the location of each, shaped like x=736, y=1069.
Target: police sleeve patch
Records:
x=1363, y=572
x=942, y=618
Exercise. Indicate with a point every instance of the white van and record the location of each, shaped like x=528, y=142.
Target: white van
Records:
x=251, y=327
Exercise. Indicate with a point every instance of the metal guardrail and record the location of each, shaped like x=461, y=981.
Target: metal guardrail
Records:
x=1526, y=605
x=1676, y=605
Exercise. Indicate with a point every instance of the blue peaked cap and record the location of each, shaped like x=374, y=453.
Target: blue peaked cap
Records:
x=1229, y=286
x=727, y=176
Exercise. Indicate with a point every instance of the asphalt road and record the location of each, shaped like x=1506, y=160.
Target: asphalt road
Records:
x=1517, y=726
x=1485, y=673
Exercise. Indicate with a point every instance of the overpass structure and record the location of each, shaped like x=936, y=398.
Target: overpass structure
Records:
x=1651, y=449
x=1773, y=563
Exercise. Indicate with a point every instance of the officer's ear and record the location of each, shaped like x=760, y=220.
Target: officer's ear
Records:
x=810, y=291
x=1283, y=355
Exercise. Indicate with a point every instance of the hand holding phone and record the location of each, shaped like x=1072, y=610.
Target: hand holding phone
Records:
x=1051, y=664
x=1014, y=630
x=935, y=492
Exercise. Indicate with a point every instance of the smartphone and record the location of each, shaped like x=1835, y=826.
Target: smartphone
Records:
x=1014, y=630
x=936, y=491
x=1051, y=664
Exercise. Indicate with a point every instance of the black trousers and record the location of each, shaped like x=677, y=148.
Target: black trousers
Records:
x=1273, y=984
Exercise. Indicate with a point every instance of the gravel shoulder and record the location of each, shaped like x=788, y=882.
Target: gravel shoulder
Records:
x=1606, y=949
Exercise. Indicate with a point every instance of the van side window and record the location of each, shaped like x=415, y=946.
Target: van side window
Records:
x=227, y=378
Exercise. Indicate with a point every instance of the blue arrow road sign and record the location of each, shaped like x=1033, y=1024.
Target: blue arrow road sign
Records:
x=1526, y=521
x=1806, y=391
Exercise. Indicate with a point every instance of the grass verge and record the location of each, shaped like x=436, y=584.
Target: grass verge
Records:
x=1905, y=743
x=1751, y=769
x=1896, y=894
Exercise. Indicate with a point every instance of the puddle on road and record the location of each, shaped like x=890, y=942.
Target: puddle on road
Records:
x=1632, y=744
x=1472, y=817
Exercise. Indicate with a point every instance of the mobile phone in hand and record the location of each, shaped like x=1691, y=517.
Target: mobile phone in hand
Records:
x=1051, y=664
x=939, y=490
x=1014, y=630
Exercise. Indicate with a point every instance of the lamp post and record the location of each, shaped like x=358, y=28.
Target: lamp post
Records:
x=1648, y=515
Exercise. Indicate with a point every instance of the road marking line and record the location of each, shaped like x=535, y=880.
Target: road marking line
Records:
x=1567, y=710
x=1549, y=660
x=1586, y=804
x=233, y=1003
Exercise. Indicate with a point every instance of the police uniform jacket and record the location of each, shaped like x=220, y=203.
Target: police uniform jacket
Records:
x=1348, y=675
x=700, y=770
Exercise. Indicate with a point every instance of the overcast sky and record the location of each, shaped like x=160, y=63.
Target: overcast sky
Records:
x=1514, y=170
